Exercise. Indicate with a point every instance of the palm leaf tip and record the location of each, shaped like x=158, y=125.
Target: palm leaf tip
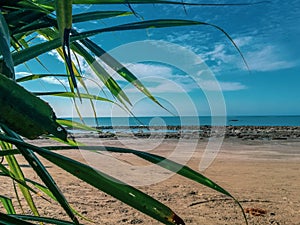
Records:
x=177, y=220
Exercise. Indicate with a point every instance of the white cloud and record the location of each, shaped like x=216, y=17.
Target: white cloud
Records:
x=146, y=70
x=162, y=79
x=232, y=86
x=243, y=41
x=57, y=81
x=22, y=74
x=219, y=54
x=268, y=58
x=159, y=78
x=211, y=84
x=89, y=77
x=259, y=57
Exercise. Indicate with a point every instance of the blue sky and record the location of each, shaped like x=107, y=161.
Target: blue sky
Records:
x=267, y=35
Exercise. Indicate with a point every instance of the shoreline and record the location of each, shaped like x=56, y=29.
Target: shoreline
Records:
x=196, y=132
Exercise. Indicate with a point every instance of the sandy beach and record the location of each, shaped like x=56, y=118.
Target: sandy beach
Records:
x=262, y=174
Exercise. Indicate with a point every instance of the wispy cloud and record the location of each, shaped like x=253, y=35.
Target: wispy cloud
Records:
x=220, y=86
x=89, y=77
x=260, y=57
x=22, y=74
x=163, y=79
x=261, y=53
x=57, y=81
x=147, y=70
x=230, y=86
x=268, y=58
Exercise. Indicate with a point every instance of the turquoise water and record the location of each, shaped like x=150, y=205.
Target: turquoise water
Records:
x=193, y=121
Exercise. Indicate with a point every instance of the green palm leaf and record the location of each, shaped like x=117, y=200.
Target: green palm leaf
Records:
x=73, y=95
x=64, y=22
x=104, y=182
x=83, y=17
x=36, y=50
x=7, y=204
x=44, y=22
x=17, y=175
x=102, y=74
x=10, y=220
x=42, y=172
x=6, y=65
x=25, y=113
x=118, y=67
x=42, y=219
x=39, y=76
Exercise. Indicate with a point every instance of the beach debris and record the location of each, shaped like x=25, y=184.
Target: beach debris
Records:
x=255, y=211
x=136, y=221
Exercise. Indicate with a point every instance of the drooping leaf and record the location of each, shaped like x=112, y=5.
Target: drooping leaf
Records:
x=25, y=113
x=21, y=18
x=83, y=17
x=71, y=94
x=9, y=152
x=6, y=65
x=42, y=6
x=7, y=173
x=76, y=125
x=103, y=75
x=161, y=161
x=38, y=76
x=36, y=50
x=118, y=67
x=172, y=166
x=42, y=219
x=165, y=163
x=46, y=191
x=64, y=21
x=42, y=188
x=17, y=174
x=10, y=220
x=64, y=16
x=106, y=183
x=42, y=172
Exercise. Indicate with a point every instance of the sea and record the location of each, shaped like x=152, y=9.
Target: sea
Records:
x=167, y=122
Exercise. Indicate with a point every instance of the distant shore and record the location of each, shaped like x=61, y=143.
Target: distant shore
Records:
x=198, y=132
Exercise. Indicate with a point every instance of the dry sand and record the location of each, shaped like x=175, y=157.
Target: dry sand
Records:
x=263, y=175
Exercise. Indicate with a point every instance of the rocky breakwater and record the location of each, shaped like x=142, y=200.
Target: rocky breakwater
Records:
x=240, y=132
x=204, y=132
x=263, y=132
